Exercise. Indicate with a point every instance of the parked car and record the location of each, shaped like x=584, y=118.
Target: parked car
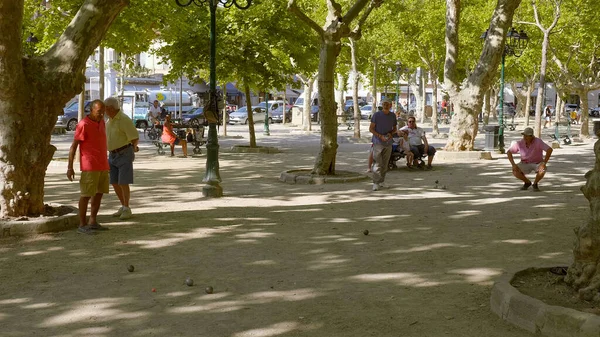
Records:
x=195, y=117
x=349, y=105
x=366, y=112
x=277, y=114
x=68, y=119
x=594, y=112
x=240, y=116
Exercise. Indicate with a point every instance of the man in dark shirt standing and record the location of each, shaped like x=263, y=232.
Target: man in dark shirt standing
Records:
x=383, y=126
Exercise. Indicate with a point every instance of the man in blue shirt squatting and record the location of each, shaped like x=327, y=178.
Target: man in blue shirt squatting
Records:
x=383, y=126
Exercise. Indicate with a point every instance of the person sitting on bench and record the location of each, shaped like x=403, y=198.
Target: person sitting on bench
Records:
x=403, y=145
x=418, y=143
x=168, y=136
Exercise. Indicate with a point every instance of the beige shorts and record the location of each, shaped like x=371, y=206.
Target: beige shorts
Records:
x=528, y=167
x=93, y=182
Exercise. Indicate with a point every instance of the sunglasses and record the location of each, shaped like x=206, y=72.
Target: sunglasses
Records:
x=411, y=121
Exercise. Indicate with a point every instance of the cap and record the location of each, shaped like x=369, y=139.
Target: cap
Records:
x=386, y=100
x=527, y=132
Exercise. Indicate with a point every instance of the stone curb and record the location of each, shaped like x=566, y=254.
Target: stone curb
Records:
x=40, y=225
x=536, y=316
x=463, y=155
x=304, y=177
x=258, y=149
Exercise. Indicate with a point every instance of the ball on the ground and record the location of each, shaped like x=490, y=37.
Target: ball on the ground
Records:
x=189, y=282
x=130, y=268
x=209, y=290
x=366, y=232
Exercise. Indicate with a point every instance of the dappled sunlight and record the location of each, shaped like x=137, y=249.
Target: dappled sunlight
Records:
x=551, y=255
x=428, y=247
x=538, y=220
x=36, y=306
x=272, y=330
x=15, y=301
x=38, y=252
x=518, y=241
x=489, y=201
x=262, y=263
x=554, y=205
x=478, y=275
x=175, y=238
x=404, y=279
x=327, y=261
x=464, y=214
x=214, y=304
x=101, y=310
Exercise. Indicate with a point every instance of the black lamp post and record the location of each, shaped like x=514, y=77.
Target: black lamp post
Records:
x=397, y=99
x=211, y=110
x=514, y=46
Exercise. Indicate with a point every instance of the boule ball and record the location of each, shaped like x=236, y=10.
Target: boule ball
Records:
x=366, y=232
x=189, y=282
x=130, y=268
x=209, y=290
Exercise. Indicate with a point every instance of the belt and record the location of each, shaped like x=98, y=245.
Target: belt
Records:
x=120, y=149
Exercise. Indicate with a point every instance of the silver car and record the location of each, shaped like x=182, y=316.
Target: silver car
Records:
x=240, y=116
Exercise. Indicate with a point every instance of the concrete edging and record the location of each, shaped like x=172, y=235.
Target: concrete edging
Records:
x=304, y=177
x=40, y=225
x=536, y=316
x=258, y=149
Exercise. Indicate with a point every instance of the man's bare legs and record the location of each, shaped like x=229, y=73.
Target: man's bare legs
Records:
x=83, y=204
x=123, y=193
x=96, y=200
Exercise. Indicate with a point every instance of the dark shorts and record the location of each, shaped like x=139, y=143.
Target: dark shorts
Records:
x=419, y=150
x=121, y=166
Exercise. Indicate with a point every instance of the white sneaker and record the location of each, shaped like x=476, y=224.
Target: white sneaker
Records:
x=126, y=214
x=118, y=212
x=376, y=187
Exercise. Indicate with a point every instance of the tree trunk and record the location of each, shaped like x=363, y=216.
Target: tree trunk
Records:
x=434, y=116
x=340, y=99
x=584, y=121
x=374, y=86
x=464, y=126
x=469, y=98
x=584, y=273
x=541, y=95
x=486, y=107
x=224, y=112
x=325, y=161
x=307, y=109
x=34, y=91
x=530, y=87
x=251, y=133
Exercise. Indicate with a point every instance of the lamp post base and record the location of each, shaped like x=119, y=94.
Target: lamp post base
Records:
x=501, y=149
x=212, y=190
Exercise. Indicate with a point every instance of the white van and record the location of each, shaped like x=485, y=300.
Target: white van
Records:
x=135, y=104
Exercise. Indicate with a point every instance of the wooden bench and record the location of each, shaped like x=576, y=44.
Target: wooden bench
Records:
x=347, y=120
x=199, y=140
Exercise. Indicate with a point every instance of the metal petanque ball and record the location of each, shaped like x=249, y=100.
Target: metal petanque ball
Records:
x=130, y=268
x=366, y=232
x=209, y=290
x=189, y=282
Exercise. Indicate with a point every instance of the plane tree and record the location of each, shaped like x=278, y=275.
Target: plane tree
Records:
x=338, y=25
x=36, y=83
x=467, y=93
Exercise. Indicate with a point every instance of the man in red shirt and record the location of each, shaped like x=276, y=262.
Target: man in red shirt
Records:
x=532, y=159
x=90, y=136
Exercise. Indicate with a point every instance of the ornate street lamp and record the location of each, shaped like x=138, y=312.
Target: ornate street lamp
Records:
x=515, y=45
x=211, y=110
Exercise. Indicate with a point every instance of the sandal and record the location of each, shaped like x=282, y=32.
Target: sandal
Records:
x=559, y=270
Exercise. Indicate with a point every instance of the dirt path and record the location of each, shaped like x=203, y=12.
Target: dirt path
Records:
x=292, y=260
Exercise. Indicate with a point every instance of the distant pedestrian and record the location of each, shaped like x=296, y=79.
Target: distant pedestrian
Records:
x=547, y=117
x=383, y=126
x=531, y=149
x=90, y=137
x=122, y=139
